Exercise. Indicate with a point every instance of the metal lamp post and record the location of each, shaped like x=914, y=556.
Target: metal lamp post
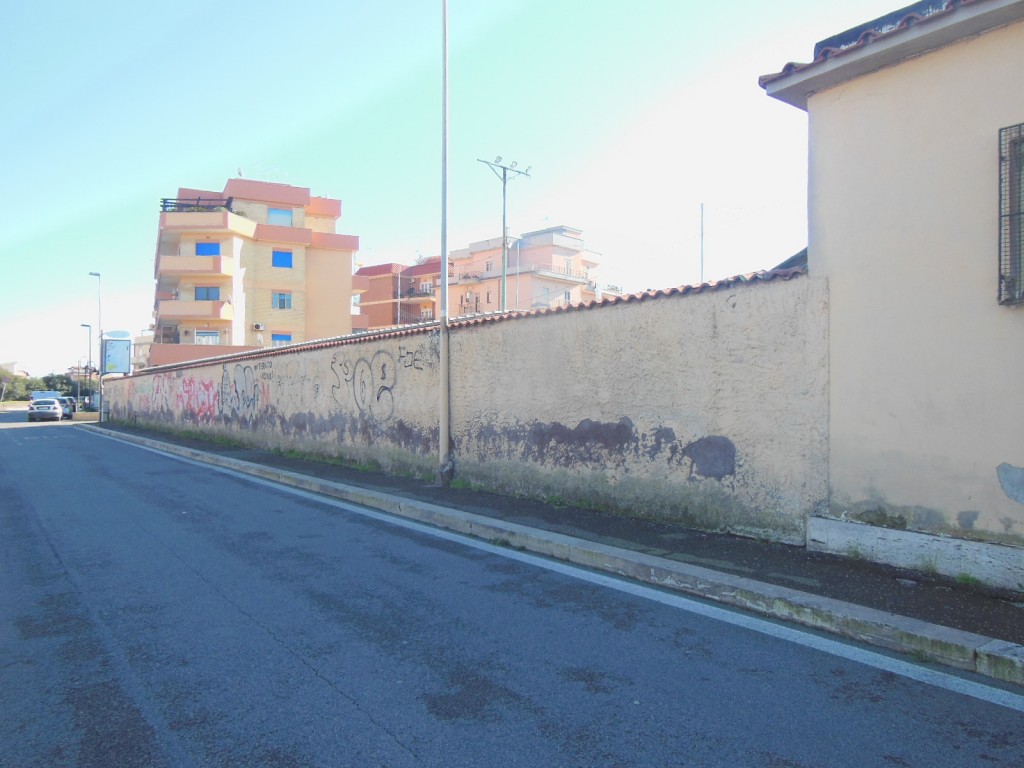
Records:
x=89, y=366
x=99, y=328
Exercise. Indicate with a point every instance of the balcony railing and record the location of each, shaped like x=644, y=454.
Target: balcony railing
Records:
x=194, y=204
x=166, y=335
x=547, y=270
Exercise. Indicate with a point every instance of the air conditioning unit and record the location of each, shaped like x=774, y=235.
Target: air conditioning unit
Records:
x=257, y=326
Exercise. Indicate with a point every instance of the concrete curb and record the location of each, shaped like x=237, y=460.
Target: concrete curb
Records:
x=997, y=659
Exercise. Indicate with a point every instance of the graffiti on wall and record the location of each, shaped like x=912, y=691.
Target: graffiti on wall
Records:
x=411, y=358
x=240, y=390
x=197, y=397
x=370, y=383
x=299, y=384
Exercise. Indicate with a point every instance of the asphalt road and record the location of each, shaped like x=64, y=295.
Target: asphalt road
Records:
x=154, y=612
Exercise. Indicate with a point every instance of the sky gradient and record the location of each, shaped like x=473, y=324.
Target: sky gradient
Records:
x=630, y=115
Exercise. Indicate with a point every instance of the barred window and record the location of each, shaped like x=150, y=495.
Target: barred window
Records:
x=1011, y=215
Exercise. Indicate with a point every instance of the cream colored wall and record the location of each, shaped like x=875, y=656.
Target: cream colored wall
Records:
x=264, y=279
x=321, y=223
x=926, y=399
x=371, y=403
x=328, y=292
x=638, y=407
x=708, y=408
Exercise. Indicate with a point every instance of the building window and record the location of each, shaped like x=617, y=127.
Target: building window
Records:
x=567, y=296
x=207, y=249
x=489, y=266
x=207, y=293
x=282, y=217
x=207, y=337
x=280, y=339
x=282, y=259
x=488, y=297
x=281, y=300
x=1011, y=215
x=426, y=287
x=426, y=313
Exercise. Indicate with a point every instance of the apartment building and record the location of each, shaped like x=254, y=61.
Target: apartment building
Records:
x=398, y=294
x=255, y=265
x=546, y=268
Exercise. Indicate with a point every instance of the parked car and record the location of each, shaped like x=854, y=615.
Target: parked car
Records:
x=47, y=409
x=43, y=394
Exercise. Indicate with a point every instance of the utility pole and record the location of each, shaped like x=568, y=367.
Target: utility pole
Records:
x=92, y=395
x=99, y=327
x=446, y=468
x=503, y=176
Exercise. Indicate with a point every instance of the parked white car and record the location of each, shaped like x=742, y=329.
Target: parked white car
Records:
x=48, y=409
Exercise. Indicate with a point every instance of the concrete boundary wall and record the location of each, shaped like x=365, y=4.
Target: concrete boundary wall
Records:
x=705, y=406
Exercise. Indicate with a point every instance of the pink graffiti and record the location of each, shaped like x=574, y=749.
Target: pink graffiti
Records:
x=198, y=398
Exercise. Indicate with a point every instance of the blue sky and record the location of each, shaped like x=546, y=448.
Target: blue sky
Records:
x=631, y=116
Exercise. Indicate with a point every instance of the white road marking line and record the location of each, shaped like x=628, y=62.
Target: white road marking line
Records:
x=937, y=678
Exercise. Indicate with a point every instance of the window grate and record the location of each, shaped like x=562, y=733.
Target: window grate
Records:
x=1011, y=215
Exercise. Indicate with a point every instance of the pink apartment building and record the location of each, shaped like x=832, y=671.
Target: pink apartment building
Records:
x=546, y=268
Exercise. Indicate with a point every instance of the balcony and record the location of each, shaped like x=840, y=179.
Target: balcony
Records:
x=173, y=223
x=195, y=266
x=166, y=334
x=179, y=309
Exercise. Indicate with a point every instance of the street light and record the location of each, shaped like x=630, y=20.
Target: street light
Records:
x=505, y=170
x=89, y=368
x=99, y=328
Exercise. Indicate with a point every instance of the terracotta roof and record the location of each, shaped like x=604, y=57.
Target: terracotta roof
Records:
x=883, y=28
x=764, y=276
x=376, y=270
x=684, y=290
x=431, y=266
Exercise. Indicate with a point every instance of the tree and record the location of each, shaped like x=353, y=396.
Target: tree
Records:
x=59, y=382
x=17, y=386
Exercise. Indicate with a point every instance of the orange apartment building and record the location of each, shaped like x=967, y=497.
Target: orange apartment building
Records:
x=398, y=294
x=256, y=265
x=546, y=268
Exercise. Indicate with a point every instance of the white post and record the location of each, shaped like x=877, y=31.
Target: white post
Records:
x=445, y=467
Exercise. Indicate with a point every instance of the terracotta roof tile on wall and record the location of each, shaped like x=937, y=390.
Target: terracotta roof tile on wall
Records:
x=683, y=290
x=763, y=276
x=865, y=34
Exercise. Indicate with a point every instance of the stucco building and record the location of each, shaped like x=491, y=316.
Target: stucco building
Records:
x=916, y=185
x=257, y=264
x=399, y=294
x=545, y=269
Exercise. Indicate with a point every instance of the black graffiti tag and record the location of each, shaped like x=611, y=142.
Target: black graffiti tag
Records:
x=372, y=383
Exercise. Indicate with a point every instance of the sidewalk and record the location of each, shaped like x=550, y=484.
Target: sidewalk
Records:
x=925, y=615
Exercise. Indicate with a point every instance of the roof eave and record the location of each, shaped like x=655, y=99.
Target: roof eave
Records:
x=891, y=48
